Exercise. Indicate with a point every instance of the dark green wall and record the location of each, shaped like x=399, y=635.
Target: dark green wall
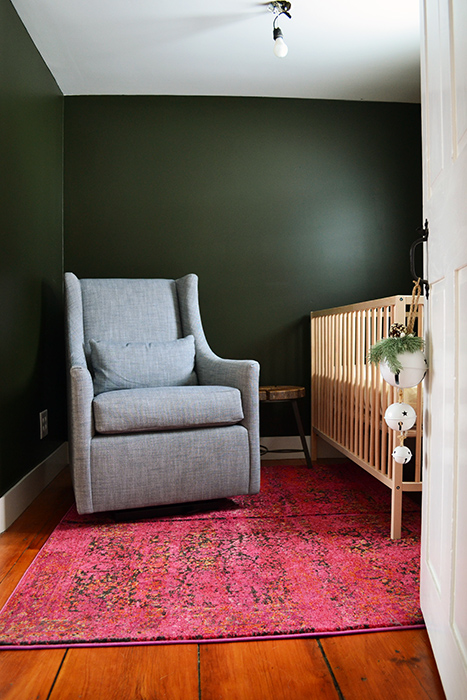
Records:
x=280, y=206
x=31, y=156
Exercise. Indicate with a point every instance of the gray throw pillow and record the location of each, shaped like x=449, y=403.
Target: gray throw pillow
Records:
x=133, y=365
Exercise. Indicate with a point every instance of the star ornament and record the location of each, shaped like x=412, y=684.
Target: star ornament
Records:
x=400, y=416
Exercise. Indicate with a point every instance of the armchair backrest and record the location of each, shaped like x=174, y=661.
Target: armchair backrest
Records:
x=130, y=310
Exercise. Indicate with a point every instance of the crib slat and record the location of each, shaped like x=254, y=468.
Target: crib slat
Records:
x=367, y=386
x=360, y=358
x=384, y=405
x=336, y=379
x=396, y=502
x=317, y=377
x=377, y=416
x=350, y=380
x=324, y=397
x=374, y=338
x=343, y=340
x=340, y=388
x=347, y=347
x=354, y=361
x=329, y=361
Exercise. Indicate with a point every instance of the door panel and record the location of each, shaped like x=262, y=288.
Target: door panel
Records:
x=444, y=533
x=435, y=431
x=459, y=22
x=460, y=570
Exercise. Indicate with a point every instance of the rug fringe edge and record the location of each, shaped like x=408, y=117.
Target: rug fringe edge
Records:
x=221, y=640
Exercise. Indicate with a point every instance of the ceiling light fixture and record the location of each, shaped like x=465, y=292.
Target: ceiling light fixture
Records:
x=279, y=7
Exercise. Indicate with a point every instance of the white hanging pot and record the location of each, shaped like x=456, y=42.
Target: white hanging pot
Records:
x=414, y=368
x=400, y=416
x=401, y=454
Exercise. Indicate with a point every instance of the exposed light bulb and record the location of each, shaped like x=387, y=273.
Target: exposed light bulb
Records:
x=280, y=47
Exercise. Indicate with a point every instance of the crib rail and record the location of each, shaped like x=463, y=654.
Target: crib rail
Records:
x=349, y=396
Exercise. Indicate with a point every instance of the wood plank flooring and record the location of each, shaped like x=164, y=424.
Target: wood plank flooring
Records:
x=373, y=666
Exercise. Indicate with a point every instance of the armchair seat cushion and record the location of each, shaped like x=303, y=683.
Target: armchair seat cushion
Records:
x=166, y=408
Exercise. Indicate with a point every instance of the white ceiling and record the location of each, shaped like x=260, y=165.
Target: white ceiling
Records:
x=338, y=49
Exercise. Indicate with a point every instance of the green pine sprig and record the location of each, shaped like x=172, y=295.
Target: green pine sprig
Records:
x=388, y=349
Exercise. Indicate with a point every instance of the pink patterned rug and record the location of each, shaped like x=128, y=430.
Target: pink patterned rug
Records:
x=310, y=555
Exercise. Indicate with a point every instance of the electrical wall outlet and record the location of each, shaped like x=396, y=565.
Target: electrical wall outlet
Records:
x=43, y=423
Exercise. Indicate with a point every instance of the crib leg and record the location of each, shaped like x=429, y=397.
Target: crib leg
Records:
x=396, y=501
x=314, y=445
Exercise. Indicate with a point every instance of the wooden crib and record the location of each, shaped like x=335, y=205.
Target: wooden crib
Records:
x=349, y=396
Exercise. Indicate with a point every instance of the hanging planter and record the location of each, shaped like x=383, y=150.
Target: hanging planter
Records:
x=408, y=369
x=402, y=364
x=400, y=357
x=400, y=343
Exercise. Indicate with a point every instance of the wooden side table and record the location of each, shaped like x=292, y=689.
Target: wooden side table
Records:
x=272, y=394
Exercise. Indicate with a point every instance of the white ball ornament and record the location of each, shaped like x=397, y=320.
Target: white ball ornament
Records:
x=402, y=454
x=400, y=416
x=414, y=368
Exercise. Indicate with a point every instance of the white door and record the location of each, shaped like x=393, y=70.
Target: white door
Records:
x=444, y=540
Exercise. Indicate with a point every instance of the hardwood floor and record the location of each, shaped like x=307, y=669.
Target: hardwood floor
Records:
x=373, y=666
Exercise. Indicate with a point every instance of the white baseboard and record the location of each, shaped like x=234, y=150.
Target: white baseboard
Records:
x=18, y=498
x=289, y=445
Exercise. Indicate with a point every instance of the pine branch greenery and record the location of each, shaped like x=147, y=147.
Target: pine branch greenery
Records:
x=387, y=350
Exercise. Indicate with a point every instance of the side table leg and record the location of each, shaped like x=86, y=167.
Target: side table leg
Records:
x=301, y=432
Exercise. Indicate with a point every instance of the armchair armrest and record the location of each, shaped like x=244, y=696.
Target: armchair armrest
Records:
x=211, y=369
x=81, y=431
x=243, y=375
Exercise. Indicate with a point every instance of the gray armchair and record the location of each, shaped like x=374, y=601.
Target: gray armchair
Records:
x=155, y=417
